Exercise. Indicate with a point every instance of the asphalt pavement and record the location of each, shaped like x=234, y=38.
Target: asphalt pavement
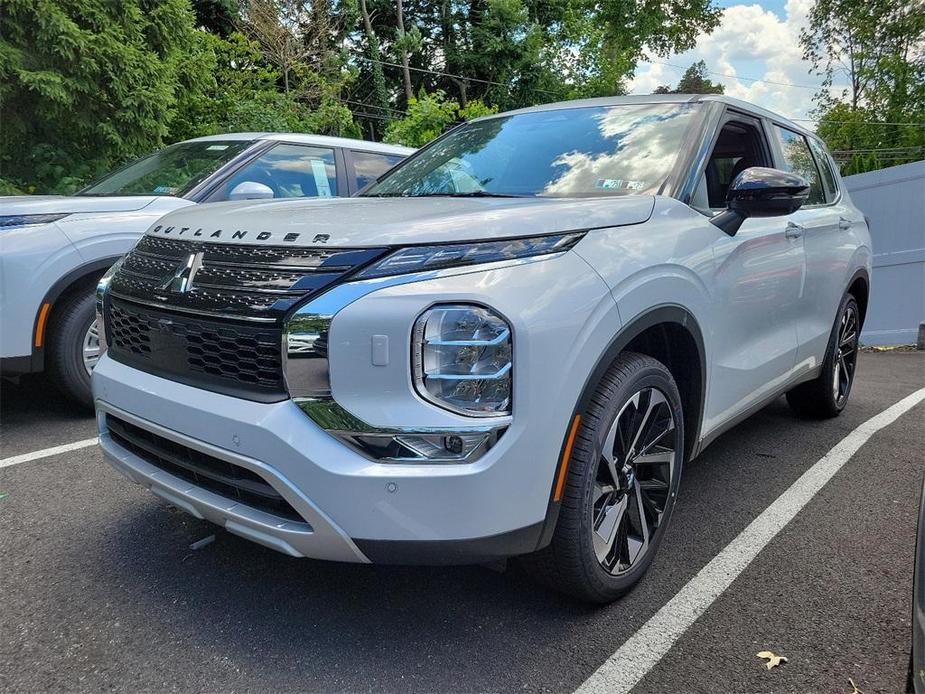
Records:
x=100, y=590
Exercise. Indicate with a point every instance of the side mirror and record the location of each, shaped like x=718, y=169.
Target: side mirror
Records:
x=761, y=192
x=251, y=190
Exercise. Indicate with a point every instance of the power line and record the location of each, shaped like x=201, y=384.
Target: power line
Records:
x=737, y=77
x=373, y=106
x=444, y=74
x=892, y=150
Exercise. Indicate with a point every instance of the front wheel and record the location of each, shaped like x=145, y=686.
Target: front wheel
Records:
x=622, y=481
x=74, y=346
x=827, y=395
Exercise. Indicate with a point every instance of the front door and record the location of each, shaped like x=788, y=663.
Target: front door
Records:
x=757, y=287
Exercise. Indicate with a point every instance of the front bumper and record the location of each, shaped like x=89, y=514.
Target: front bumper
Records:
x=358, y=509
x=351, y=509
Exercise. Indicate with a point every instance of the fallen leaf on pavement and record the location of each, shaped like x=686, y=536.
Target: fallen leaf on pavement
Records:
x=773, y=659
x=854, y=687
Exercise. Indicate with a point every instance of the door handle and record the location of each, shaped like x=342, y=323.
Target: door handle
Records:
x=844, y=224
x=793, y=231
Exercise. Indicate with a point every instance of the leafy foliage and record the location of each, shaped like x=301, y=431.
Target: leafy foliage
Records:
x=86, y=85
x=428, y=116
x=878, y=47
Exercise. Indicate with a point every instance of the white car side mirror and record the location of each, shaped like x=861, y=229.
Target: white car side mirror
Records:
x=251, y=190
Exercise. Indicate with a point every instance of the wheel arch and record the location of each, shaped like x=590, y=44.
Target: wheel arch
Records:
x=79, y=276
x=655, y=333
x=859, y=288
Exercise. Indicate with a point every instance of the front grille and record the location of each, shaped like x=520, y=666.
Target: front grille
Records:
x=232, y=358
x=232, y=281
x=210, y=315
x=206, y=471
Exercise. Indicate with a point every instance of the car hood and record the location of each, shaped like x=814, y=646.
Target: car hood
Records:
x=352, y=222
x=72, y=204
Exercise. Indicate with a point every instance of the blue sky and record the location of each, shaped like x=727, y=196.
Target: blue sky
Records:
x=754, y=40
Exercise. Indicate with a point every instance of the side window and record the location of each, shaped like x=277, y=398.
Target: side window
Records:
x=798, y=160
x=289, y=171
x=738, y=147
x=825, y=166
x=368, y=166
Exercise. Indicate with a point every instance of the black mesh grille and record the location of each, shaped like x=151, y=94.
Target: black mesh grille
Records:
x=233, y=358
x=216, y=475
x=210, y=315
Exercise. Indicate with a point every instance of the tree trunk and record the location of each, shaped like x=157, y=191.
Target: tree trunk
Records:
x=406, y=73
x=380, y=90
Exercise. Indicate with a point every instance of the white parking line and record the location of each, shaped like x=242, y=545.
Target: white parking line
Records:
x=644, y=649
x=46, y=452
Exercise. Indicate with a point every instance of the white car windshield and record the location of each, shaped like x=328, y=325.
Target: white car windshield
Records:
x=569, y=152
x=173, y=170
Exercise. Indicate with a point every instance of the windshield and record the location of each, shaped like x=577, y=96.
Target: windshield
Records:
x=171, y=171
x=605, y=150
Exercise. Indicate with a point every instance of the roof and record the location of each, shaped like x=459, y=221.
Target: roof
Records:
x=307, y=139
x=658, y=99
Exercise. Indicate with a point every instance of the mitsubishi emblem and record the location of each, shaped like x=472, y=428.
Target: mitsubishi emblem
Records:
x=182, y=280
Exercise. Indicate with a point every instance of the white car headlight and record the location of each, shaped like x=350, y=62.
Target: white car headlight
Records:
x=463, y=359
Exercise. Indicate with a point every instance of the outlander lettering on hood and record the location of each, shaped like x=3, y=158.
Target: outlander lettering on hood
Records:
x=236, y=235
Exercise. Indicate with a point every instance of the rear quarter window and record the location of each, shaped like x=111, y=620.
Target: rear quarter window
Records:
x=368, y=166
x=825, y=168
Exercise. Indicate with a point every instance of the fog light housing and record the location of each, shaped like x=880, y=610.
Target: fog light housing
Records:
x=463, y=360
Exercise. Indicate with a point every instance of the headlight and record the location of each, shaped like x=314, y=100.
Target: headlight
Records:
x=102, y=288
x=24, y=220
x=421, y=258
x=462, y=359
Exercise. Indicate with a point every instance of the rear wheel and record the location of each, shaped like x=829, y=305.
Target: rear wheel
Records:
x=827, y=395
x=74, y=346
x=621, y=484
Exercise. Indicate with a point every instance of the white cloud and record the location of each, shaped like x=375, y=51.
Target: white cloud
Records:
x=750, y=41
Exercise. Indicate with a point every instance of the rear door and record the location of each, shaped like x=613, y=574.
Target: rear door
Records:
x=825, y=223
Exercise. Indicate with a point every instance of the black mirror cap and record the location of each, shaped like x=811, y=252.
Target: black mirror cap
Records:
x=761, y=192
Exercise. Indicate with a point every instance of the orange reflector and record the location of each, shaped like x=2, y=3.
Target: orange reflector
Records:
x=40, y=324
x=566, y=454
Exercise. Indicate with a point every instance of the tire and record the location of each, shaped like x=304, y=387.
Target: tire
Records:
x=580, y=560
x=826, y=397
x=70, y=327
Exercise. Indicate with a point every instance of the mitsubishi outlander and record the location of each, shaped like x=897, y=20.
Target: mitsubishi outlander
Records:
x=508, y=346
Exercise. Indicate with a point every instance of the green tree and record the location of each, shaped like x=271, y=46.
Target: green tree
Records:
x=694, y=81
x=87, y=83
x=513, y=53
x=216, y=16
x=429, y=115
x=244, y=94
x=876, y=47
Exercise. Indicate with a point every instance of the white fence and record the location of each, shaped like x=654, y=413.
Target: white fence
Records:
x=894, y=201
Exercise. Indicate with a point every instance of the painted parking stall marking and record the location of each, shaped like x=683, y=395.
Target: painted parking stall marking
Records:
x=47, y=452
x=644, y=649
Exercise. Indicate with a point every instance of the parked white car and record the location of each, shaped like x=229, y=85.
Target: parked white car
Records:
x=53, y=249
x=509, y=346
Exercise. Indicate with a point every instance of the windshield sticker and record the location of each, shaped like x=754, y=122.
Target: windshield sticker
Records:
x=165, y=190
x=619, y=184
x=320, y=172
x=216, y=148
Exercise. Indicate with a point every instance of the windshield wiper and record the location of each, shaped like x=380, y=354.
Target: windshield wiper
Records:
x=471, y=194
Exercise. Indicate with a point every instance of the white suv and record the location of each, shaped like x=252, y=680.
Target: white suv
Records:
x=55, y=248
x=508, y=346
